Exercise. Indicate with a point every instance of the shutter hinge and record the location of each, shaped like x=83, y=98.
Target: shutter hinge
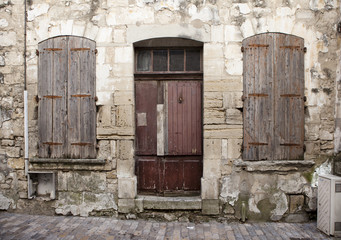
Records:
x=243, y=98
x=305, y=98
x=37, y=52
x=37, y=98
x=96, y=98
x=242, y=49
x=304, y=49
x=96, y=51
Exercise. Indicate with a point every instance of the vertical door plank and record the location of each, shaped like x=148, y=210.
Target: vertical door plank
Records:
x=146, y=93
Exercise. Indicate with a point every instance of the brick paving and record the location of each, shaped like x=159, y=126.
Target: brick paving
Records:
x=22, y=227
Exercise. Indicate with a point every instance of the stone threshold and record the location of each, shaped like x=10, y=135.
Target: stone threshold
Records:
x=274, y=165
x=169, y=203
x=66, y=161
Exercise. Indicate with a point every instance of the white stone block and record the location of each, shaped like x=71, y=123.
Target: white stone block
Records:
x=247, y=29
x=13, y=58
x=212, y=148
x=243, y=8
x=54, y=30
x=234, y=148
x=284, y=11
x=111, y=18
x=209, y=188
x=233, y=34
x=100, y=57
x=124, y=55
x=217, y=33
x=213, y=52
x=37, y=10
x=212, y=168
x=104, y=35
x=119, y=35
x=102, y=73
x=234, y=67
x=8, y=39
x=66, y=27
x=42, y=30
x=78, y=29
x=233, y=51
x=224, y=149
x=91, y=31
x=3, y=23
x=127, y=187
x=104, y=97
x=125, y=168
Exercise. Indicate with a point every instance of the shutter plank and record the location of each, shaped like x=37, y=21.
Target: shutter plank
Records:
x=58, y=74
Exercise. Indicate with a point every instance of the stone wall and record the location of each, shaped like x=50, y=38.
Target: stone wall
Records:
x=85, y=189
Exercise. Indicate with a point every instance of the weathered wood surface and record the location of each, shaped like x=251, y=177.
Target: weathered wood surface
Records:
x=273, y=92
x=66, y=126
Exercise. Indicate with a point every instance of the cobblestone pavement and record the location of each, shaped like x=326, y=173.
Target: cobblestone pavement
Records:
x=22, y=227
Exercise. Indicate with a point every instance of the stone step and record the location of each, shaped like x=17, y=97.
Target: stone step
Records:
x=170, y=203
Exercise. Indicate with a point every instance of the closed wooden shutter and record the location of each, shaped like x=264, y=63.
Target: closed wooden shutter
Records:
x=273, y=97
x=81, y=98
x=52, y=110
x=66, y=88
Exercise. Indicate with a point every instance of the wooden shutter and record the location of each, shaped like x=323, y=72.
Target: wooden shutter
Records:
x=273, y=93
x=81, y=96
x=66, y=88
x=52, y=79
x=289, y=101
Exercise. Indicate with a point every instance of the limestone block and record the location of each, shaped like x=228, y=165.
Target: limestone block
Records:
x=4, y=202
x=62, y=180
x=210, y=207
x=213, y=51
x=234, y=148
x=78, y=28
x=3, y=23
x=22, y=186
x=111, y=18
x=224, y=151
x=209, y=188
x=214, y=116
x=124, y=116
x=247, y=29
x=120, y=35
x=212, y=168
x=113, y=148
x=104, y=149
x=296, y=203
x=126, y=205
x=135, y=16
x=312, y=147
x=212, y=148
x=166, y=16
x=137, y=33
x=125, y=168
x=291, y=183
x=16, y=163
x=232, y=100
x=102, y=73
x=217, y=33
x=13, y=152
x=123, y=97
x=233, y=133
x=233, y=34
x=326, y=135
x=104, y=35
x=234, y=116
x=243, y=8
x=105, y=115
x=13, y=58
x=127, y=187
x=91, y=31
x=125, y=84
x=124, y=55
x=37, y=10
x=2, y=61
x=214, y=68
x=125, y=149
x=312, y=132
x=234, y=66
x=233, y=51
x=304, y=14
x=123, y=70
x=86, y=181
x=8, y=38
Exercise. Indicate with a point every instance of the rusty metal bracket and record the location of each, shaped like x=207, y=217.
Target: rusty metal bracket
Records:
x=96, y=51
x=52, y=96
x=37, y=98
x=37, y=52
x=53, y=143
x=242, y=49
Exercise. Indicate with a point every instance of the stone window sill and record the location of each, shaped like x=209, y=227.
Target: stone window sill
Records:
x=274, y=165
x=67, y=161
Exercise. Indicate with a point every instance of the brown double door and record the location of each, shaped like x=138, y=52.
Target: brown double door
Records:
x=169, y=136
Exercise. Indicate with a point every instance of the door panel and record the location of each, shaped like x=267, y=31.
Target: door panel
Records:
x=184, y=118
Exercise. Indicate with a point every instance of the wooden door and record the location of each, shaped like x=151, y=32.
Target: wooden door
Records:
x=169, y=135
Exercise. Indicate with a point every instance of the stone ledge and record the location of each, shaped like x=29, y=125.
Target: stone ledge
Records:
x=171, y=203
x=66, y=161
x=274, y=165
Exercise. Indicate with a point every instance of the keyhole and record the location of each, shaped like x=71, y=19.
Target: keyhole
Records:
x=180, y=99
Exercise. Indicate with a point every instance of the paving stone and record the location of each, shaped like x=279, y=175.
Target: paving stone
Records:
x=18, y=226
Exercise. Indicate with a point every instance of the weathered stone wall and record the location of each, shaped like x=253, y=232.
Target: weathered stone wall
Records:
x=271, y=192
